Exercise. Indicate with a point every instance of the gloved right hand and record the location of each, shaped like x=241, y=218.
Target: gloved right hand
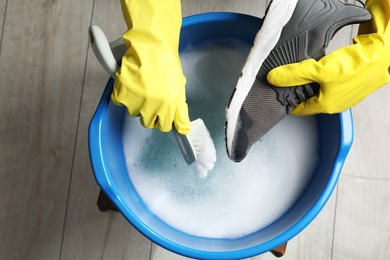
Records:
x=150, y=82
x=347, y=75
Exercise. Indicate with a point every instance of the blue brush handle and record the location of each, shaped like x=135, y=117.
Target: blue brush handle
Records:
x=185, y=147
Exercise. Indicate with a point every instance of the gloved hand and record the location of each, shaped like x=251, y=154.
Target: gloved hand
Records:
x=150, y=82
x=347, y=75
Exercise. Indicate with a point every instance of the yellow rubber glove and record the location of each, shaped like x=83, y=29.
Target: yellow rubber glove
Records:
x=150, y=82
x=347, y=75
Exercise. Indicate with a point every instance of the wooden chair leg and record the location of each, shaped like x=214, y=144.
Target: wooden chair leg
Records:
x=104, y=203
x=280, y=250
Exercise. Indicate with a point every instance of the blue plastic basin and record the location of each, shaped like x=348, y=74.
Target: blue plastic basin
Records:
x=109, y=166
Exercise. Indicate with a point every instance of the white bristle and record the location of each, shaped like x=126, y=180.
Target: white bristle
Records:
x=203, y=146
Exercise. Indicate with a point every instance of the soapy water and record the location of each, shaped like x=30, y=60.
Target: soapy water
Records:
x=236, y=199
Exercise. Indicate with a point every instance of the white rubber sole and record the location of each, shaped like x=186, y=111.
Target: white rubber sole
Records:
x=278, y=15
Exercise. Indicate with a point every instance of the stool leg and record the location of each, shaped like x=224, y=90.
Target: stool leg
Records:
x=280, y=250
x=104, y=203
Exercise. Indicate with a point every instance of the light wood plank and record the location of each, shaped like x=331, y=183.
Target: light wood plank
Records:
x=370, y=151
x=41, y=74
x=362, y=226
x=159, y=253
x=251, y=7
x=3, y=4
x=362, y=230
x=90, y=234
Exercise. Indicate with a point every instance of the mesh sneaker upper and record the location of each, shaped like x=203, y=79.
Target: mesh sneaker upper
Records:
x=306, y=35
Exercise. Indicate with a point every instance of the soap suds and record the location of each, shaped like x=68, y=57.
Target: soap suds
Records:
x=236, y=199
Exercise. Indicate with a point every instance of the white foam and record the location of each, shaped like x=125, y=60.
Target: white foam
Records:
x=236, y=198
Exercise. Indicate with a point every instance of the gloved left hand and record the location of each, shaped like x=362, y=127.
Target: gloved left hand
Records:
x=347, y=75
x=150, y=82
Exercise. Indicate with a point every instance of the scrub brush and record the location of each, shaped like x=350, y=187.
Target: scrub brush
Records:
x=197, y=147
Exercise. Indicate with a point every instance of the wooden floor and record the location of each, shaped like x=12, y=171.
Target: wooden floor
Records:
x=50, y=84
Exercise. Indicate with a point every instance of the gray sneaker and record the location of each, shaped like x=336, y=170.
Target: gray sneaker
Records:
x=253, y=111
